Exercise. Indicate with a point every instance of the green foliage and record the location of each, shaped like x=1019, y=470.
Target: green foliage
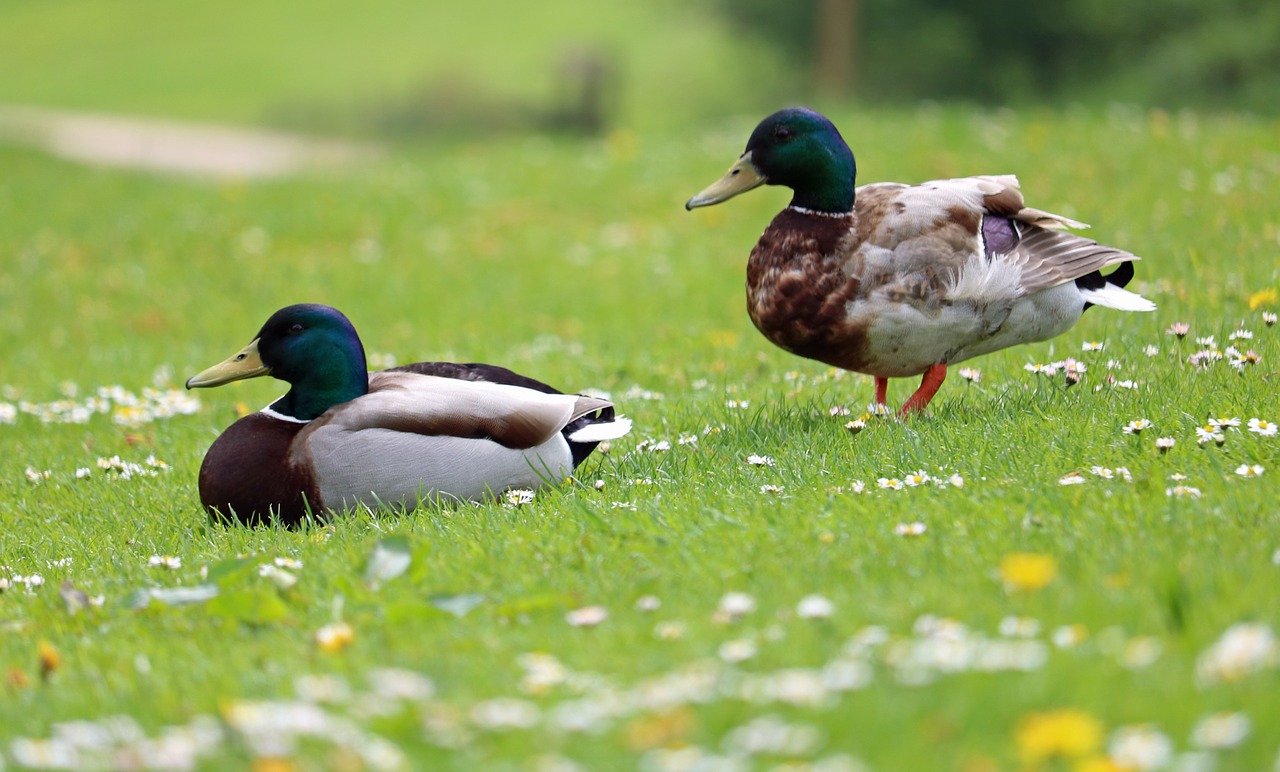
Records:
x=1170, y=53
x=575, y=263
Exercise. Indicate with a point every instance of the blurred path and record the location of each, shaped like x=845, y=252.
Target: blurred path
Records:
x=172, y=146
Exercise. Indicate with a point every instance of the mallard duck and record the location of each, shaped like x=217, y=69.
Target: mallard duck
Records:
x=897, y=280
x=343, y=437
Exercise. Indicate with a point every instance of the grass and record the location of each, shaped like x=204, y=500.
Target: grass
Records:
x=573, y=262
x=326, y=66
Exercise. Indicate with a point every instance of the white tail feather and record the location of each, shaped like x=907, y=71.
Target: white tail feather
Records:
x=1118, y=298
x=607, y=430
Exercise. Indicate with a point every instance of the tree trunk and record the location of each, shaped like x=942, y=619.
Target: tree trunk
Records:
x=835, y=37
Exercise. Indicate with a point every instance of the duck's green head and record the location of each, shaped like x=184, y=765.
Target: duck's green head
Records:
x=798, y=148
x=313, y=348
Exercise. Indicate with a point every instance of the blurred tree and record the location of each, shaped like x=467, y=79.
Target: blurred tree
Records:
x=1172, y=52
x=835, y=27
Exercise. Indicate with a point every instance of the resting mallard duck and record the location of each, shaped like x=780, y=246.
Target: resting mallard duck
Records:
x=343, y=437
x=895, y=280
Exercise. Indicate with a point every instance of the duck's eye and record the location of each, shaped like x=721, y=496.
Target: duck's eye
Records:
x=782, y=134
x=295, y=329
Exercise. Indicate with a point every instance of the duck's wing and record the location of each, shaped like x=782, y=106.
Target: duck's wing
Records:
x=475, y=371
x=513, y=416
x=1035, y=241
x=949, y=234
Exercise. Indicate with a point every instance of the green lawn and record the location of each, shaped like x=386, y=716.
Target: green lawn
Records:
x=574, y=262
x=324, y=64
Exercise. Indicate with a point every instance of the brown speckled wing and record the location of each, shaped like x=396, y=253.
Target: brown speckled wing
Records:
x=247, y=473
x=910, y=242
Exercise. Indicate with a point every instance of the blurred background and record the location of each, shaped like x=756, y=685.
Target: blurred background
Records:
x=490, y=149
x=404, y=68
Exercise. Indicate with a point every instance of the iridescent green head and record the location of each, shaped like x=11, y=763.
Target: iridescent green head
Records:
x=797, y=148
x=313, y=348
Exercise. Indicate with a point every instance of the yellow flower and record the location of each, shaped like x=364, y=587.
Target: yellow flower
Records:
x=1266, y=297
x=335, y=637
x=50, y=659
x=1027, y=571
x=1065, y=733
x=323, y=534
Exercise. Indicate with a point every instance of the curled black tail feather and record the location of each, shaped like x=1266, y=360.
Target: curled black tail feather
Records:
x=581, y=450
x=1121, y=276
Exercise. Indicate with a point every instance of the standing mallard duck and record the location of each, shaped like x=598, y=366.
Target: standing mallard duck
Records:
x=895, y=280
x=343, y=437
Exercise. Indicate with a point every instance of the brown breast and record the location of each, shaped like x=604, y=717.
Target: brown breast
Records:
x=798, y=286
x=246, y=474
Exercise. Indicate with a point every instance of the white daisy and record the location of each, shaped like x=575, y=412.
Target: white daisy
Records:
x=648, y=603
x=736, y=604
x=518, y=497
x=1140, y=747
x=738, y=650
x=815, y=607
x=919, y=477
x=1263, y=428
x=1208, y=434
x=587, y=616
x=1221, y=730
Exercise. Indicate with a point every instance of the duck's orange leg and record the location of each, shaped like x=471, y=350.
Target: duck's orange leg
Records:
x=882, y=390
x=933, y=378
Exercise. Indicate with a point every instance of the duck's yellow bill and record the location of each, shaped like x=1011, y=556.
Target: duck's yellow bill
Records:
x=246, y=363
x=740, y=178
